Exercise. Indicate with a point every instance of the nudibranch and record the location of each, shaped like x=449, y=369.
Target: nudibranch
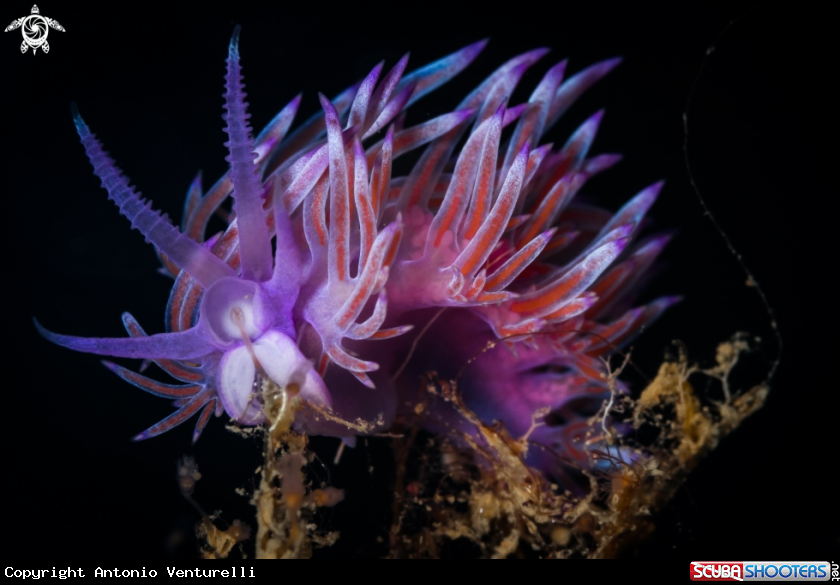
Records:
x=346, y=284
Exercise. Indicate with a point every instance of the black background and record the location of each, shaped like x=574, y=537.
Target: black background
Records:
x=148, y=80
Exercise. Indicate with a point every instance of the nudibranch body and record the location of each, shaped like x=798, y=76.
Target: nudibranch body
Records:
x=373, y=280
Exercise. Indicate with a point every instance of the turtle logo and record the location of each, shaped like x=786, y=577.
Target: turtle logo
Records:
x=34, y=28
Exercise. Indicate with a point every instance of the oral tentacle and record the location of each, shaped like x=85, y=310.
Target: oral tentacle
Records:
x=183, y=345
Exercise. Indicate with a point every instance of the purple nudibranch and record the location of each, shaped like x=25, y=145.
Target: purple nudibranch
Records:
x=374, y=280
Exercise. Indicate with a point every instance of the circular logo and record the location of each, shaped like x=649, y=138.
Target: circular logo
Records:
x=35, y=30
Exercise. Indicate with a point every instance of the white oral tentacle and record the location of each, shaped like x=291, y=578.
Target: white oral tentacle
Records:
x=281, y=361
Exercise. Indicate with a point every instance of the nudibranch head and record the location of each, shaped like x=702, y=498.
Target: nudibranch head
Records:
x=342, y=284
